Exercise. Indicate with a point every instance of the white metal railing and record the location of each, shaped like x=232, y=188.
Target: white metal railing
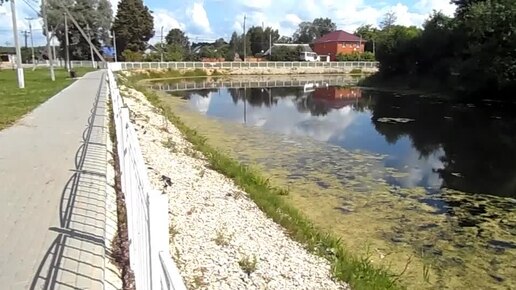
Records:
x=231, y=83
x=147, y=209
x=245, y=65
x=231, y=65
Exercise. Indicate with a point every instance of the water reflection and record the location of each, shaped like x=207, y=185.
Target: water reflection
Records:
x=465, y=147
x=402, y=169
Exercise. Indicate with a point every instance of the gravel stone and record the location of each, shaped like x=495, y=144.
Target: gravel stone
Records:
x=204, y=204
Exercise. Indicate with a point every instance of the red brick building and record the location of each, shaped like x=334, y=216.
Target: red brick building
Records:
x=337, y=98
x=337, y=42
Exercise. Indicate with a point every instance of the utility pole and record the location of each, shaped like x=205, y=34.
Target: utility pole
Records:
x=19, y=68
x=53, y=45
x=91, y=45
x=26, y=35
x=67, y=44
x=114, y=45
x=32, y=43
x=270, y=43
x=245, y=39
x=161, y=43
x=49, y=52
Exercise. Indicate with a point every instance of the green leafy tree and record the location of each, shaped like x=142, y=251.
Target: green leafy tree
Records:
x=463, y=5
x=178, y=37
x=237, y=44
x=284, y=39
x=133, y=25
x=94, y=17
x=259, y=38
x=473, y=53
x=307, y=32
x=370, y=34
x=286, y=53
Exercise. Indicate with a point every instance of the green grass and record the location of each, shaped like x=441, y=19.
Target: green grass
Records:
x=15, y=103
x=357, y=271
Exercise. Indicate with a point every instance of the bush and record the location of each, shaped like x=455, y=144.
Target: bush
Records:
x=130, y=55
x=356, y=56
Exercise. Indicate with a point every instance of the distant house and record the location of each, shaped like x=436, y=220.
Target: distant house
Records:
x=337, y=42
x=150, y=49
x=7, y=57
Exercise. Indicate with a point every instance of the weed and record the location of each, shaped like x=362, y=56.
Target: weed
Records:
x=172, y=231
x=221, y=239
x=169, y=143
x=198, y=282
x=247, y=264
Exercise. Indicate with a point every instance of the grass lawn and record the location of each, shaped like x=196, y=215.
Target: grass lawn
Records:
x=15, y=103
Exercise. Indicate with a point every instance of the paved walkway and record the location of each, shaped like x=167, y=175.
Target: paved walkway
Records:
x=52, y=192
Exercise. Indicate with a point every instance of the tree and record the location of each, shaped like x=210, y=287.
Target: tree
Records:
x=307, y=32
x=285, y=53
x=134, y=25
x=370, y=34
x=178, y=37
x=463, y=6
x=93, y=14
x=236, y=44
x=472, y=53
x=323, y=26
x=259, y=38
x=389, y=19
x=284, y=39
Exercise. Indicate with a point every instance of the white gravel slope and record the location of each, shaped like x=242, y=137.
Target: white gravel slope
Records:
x=215, y=226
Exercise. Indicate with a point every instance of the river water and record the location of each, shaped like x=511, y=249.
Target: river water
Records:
x=420, y=184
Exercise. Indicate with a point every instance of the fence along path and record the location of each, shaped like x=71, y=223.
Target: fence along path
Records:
x=147, y=209
x=233, y=65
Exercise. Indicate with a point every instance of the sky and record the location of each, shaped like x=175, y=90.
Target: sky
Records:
x=207, y=20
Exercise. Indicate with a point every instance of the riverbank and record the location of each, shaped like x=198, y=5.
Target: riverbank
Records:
x=345, y=265
x=219, y=237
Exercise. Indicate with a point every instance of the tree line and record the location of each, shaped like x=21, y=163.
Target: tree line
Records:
x=473, y=52
x=133, y=27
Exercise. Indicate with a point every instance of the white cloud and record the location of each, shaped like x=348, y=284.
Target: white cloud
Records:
x=257, y=4
x=200, y=23
x=293, y=19
x=164, y=18
x=426, y=6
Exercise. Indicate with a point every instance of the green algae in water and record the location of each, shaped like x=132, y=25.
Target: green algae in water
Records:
x=468, y=240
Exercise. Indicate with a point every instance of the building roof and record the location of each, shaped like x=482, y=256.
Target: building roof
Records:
x=338, y=36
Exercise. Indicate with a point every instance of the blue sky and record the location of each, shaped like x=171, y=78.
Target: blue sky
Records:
x=206, y=20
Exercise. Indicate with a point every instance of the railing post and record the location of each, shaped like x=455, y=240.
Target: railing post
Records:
x=158, y=233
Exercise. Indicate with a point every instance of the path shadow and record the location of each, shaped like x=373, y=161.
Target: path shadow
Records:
x=75, y=259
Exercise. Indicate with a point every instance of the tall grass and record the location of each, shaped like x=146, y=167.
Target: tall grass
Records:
x=345, y=266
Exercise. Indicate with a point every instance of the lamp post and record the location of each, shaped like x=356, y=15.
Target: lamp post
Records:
x=19, y=68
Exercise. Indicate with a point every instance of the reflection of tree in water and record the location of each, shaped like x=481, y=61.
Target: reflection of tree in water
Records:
x=480, y=151
x=259, y=97
x=186, y=95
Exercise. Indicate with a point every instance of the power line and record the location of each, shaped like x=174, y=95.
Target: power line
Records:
x=30, y=6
